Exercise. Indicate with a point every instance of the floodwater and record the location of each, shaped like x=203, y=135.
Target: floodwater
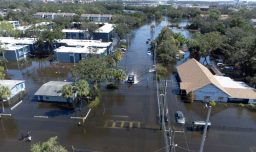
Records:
x=126, y=121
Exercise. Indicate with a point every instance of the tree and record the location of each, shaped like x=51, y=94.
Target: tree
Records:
x=5, y=92
x=122, y=29
x=209, y=42
x=51, y=145
x=67, y=91
x=90, y=27
x=82, y=87
x=118, y=55
x=6, y=29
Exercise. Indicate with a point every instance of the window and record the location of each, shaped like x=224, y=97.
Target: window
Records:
x=220, y=98
x=207, y=98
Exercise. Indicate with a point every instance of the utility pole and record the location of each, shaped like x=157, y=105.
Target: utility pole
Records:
x=205, y=129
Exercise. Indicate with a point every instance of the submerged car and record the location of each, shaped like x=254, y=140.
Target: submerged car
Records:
x=130, y=78
x=180, y=119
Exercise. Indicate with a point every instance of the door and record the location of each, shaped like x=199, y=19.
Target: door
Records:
x=71, y=58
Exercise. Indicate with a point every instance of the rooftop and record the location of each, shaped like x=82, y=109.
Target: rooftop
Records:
x=13, y=47
x=10, y=83
x=106, y=28
x=12, y=40
x=85, y=43
x=83, y=50
x=51, y=88
x=194, y=75
x=73, y=31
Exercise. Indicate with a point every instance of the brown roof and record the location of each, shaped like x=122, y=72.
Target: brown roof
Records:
x=194, y=75
x=242, y=93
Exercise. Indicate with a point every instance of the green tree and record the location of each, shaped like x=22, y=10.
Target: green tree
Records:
x=6, y=29
x=118, y=55
x=51, y=145
x=89, y=26
x=208, y=43
x=67, y=91
x=122, y=29
x=82, y=88
x=5, y=92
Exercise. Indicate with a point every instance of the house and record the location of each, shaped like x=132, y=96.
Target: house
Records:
x=31, y=42
x=13, y=52
x=75, y=54
x=97, y=17
x=104, y=33
x=51, y=92
x=76, y=34
x=16, y=86
x=87, y=43
x=195, y=78
x=52, y=16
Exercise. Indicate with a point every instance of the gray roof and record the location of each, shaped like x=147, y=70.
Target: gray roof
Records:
x=10, y=83
x=51, y=88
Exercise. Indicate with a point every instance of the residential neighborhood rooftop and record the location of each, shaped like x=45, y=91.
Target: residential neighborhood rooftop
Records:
x=10, y=83
x=86, y=50
x=13, y=47
x=85, y=43
x=13, y=40
x=194, y=75
x=106, y=28
x=73, y=31
x=51, y=88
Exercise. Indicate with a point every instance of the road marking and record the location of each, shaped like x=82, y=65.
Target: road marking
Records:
x=76, y=117
x=120, y=116
x=122, y=124
x=5, y=114
x=40, y=116
x=138, y=124
x=16, y=105
x=113, y=125
x=130, y=124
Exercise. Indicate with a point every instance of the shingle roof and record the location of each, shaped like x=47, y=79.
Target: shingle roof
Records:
x=194, y=76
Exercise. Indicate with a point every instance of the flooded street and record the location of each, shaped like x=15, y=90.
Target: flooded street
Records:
x=126, y=121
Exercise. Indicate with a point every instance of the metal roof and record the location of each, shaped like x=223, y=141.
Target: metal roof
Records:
x=51, y=88
x=10, y=83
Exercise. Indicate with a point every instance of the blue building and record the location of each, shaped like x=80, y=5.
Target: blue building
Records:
x=75, y=34
x=75, y=54
x=51, y=92
x=15, y=86
x=20, y=41
x=104, y=33
x=15, y=52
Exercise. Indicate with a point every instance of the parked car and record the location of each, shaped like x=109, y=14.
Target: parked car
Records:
x=199, y=125
x=130, y=78
x=180, y=119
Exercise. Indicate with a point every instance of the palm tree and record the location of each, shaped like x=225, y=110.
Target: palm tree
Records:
x=5, y=94
x=67, y=91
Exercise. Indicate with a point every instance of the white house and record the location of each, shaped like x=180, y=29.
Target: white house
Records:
x=13, y=52
x=196, y=78
x=15, y=86
x=51, y=92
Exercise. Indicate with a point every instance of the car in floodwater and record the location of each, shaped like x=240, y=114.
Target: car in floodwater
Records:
x=130, y=79
x=179, y=117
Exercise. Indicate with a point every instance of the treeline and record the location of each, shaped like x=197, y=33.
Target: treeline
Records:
x=231, y=38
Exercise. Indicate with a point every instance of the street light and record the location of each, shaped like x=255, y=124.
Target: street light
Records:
x=3, y=105
x=205, y=127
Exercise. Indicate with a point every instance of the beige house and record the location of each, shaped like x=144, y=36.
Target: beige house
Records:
x=196, y=78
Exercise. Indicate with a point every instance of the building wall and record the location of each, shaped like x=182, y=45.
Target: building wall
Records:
x=106, y=37
x=73, y=35
x=17, y=89
x=16, y=55
x=67, y=57
x=210, y=92
x=59, y=99
x=252, y=101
